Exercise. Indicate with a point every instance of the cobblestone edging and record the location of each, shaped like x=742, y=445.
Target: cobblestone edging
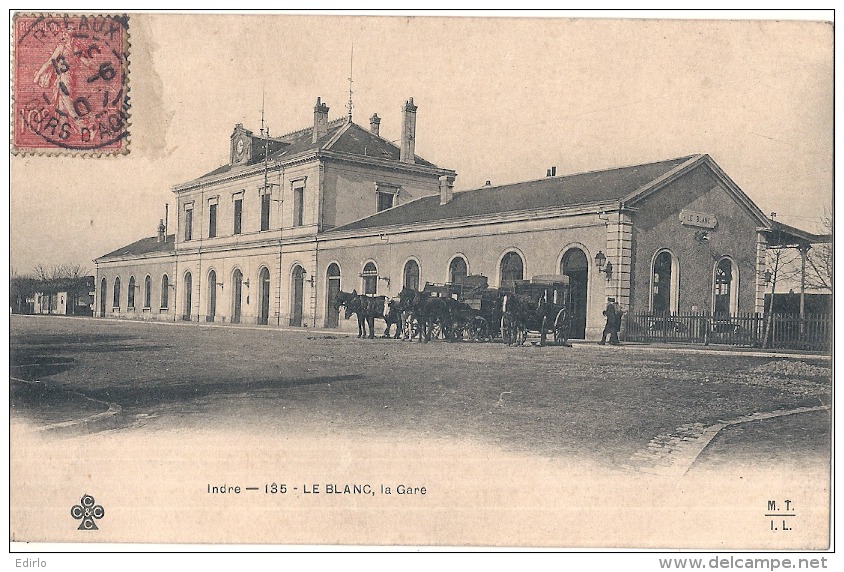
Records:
x=672, y=454
x=108, y=419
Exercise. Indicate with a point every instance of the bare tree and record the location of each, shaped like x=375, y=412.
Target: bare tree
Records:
x=819, y=260
x=42, y=272
x=781, y=265
x=46, y=273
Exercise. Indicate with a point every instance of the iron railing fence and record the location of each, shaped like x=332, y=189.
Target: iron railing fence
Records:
x=786, y=331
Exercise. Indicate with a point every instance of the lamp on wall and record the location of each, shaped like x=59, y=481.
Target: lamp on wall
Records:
x=603, y=264
x=220, y=284
x=309, y=280
x=701, y=236
x=246, y=283
x=385, y=279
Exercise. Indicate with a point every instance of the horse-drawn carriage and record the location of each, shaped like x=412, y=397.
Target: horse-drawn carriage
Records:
x=474, y=309
x=540, y=305
x=469, y=310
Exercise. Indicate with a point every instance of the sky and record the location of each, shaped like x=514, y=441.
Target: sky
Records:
x=500, y=99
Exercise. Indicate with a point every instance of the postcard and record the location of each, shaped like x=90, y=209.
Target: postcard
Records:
x=410, y=280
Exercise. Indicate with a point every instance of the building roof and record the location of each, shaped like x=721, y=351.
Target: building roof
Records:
x=549, y=192
x=342, y=136
x=144, y=246
x=787, y=235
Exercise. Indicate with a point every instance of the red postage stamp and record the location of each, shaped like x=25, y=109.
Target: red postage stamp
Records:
x=70, y=84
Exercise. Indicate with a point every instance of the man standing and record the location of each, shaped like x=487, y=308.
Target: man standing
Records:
x=613, y=326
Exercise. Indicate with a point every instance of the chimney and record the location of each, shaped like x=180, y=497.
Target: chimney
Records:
x=320, y=120
x=375, y=124
x=161, y=235
x=408, y=134
x=446, y=188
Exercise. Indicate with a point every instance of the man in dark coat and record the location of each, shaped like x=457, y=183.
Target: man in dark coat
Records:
x=613, y=326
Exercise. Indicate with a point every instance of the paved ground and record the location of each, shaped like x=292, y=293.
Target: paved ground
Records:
x=601, y=403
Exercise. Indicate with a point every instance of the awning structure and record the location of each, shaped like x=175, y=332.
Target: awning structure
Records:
x=780, y=236
x=784, y=235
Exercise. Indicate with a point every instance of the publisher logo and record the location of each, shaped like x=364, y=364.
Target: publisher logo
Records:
x=87, y=511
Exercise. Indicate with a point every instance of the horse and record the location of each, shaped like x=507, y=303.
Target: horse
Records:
x=349, y=300
x=521, y=313
x=392, y=316
x=466, y=321
x=367, y=308
x=427, y=311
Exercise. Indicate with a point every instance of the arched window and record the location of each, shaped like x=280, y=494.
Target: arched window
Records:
x=103, y=288
x=237, y=295
x=512, y=269
x=264, y=296
x=188, y=309
x=212, y=296
x=297, y=295
x=725, y=295
x=333, y=293
x=147, y=291
x=131, y=300
x=411, y=275
x=116, y=293
x=165, y=292
x=370, y=278
x=661, y=281
x=457, y=270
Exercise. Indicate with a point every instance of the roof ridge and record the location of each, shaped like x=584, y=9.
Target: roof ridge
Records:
x=593, y=171
x=390, y=143
x=333, y=139
x=331, y=124
x=122, y=251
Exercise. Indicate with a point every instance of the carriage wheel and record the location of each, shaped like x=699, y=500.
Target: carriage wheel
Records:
x=561, y=328
x=478, y=329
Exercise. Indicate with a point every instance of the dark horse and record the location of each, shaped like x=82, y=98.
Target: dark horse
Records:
x=394, y=316
x=522, y=313
x=367, y=308
x=426, y=311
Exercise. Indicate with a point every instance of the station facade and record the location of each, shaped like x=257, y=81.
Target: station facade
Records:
x=275, y=234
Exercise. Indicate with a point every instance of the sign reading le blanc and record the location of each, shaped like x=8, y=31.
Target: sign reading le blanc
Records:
x=695, y=218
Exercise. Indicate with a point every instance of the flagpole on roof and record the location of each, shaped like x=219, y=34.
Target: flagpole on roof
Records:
x=351, y=70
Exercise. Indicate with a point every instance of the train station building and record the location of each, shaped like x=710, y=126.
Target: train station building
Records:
x=274, y=235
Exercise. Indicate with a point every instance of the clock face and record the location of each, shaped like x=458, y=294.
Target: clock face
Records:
x=239, y=147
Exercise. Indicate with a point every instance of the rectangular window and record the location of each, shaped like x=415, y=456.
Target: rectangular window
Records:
x=265, y=211
x=212, y=221
x=385, y=200
x=188, y=224
x=238, y=216
x=298, y=206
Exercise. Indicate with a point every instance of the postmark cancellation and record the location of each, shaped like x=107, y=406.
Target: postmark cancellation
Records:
x=70, y=84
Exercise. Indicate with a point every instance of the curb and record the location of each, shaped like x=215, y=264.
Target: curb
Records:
x=674, y=454
x=688, y=349
x=109, y=419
